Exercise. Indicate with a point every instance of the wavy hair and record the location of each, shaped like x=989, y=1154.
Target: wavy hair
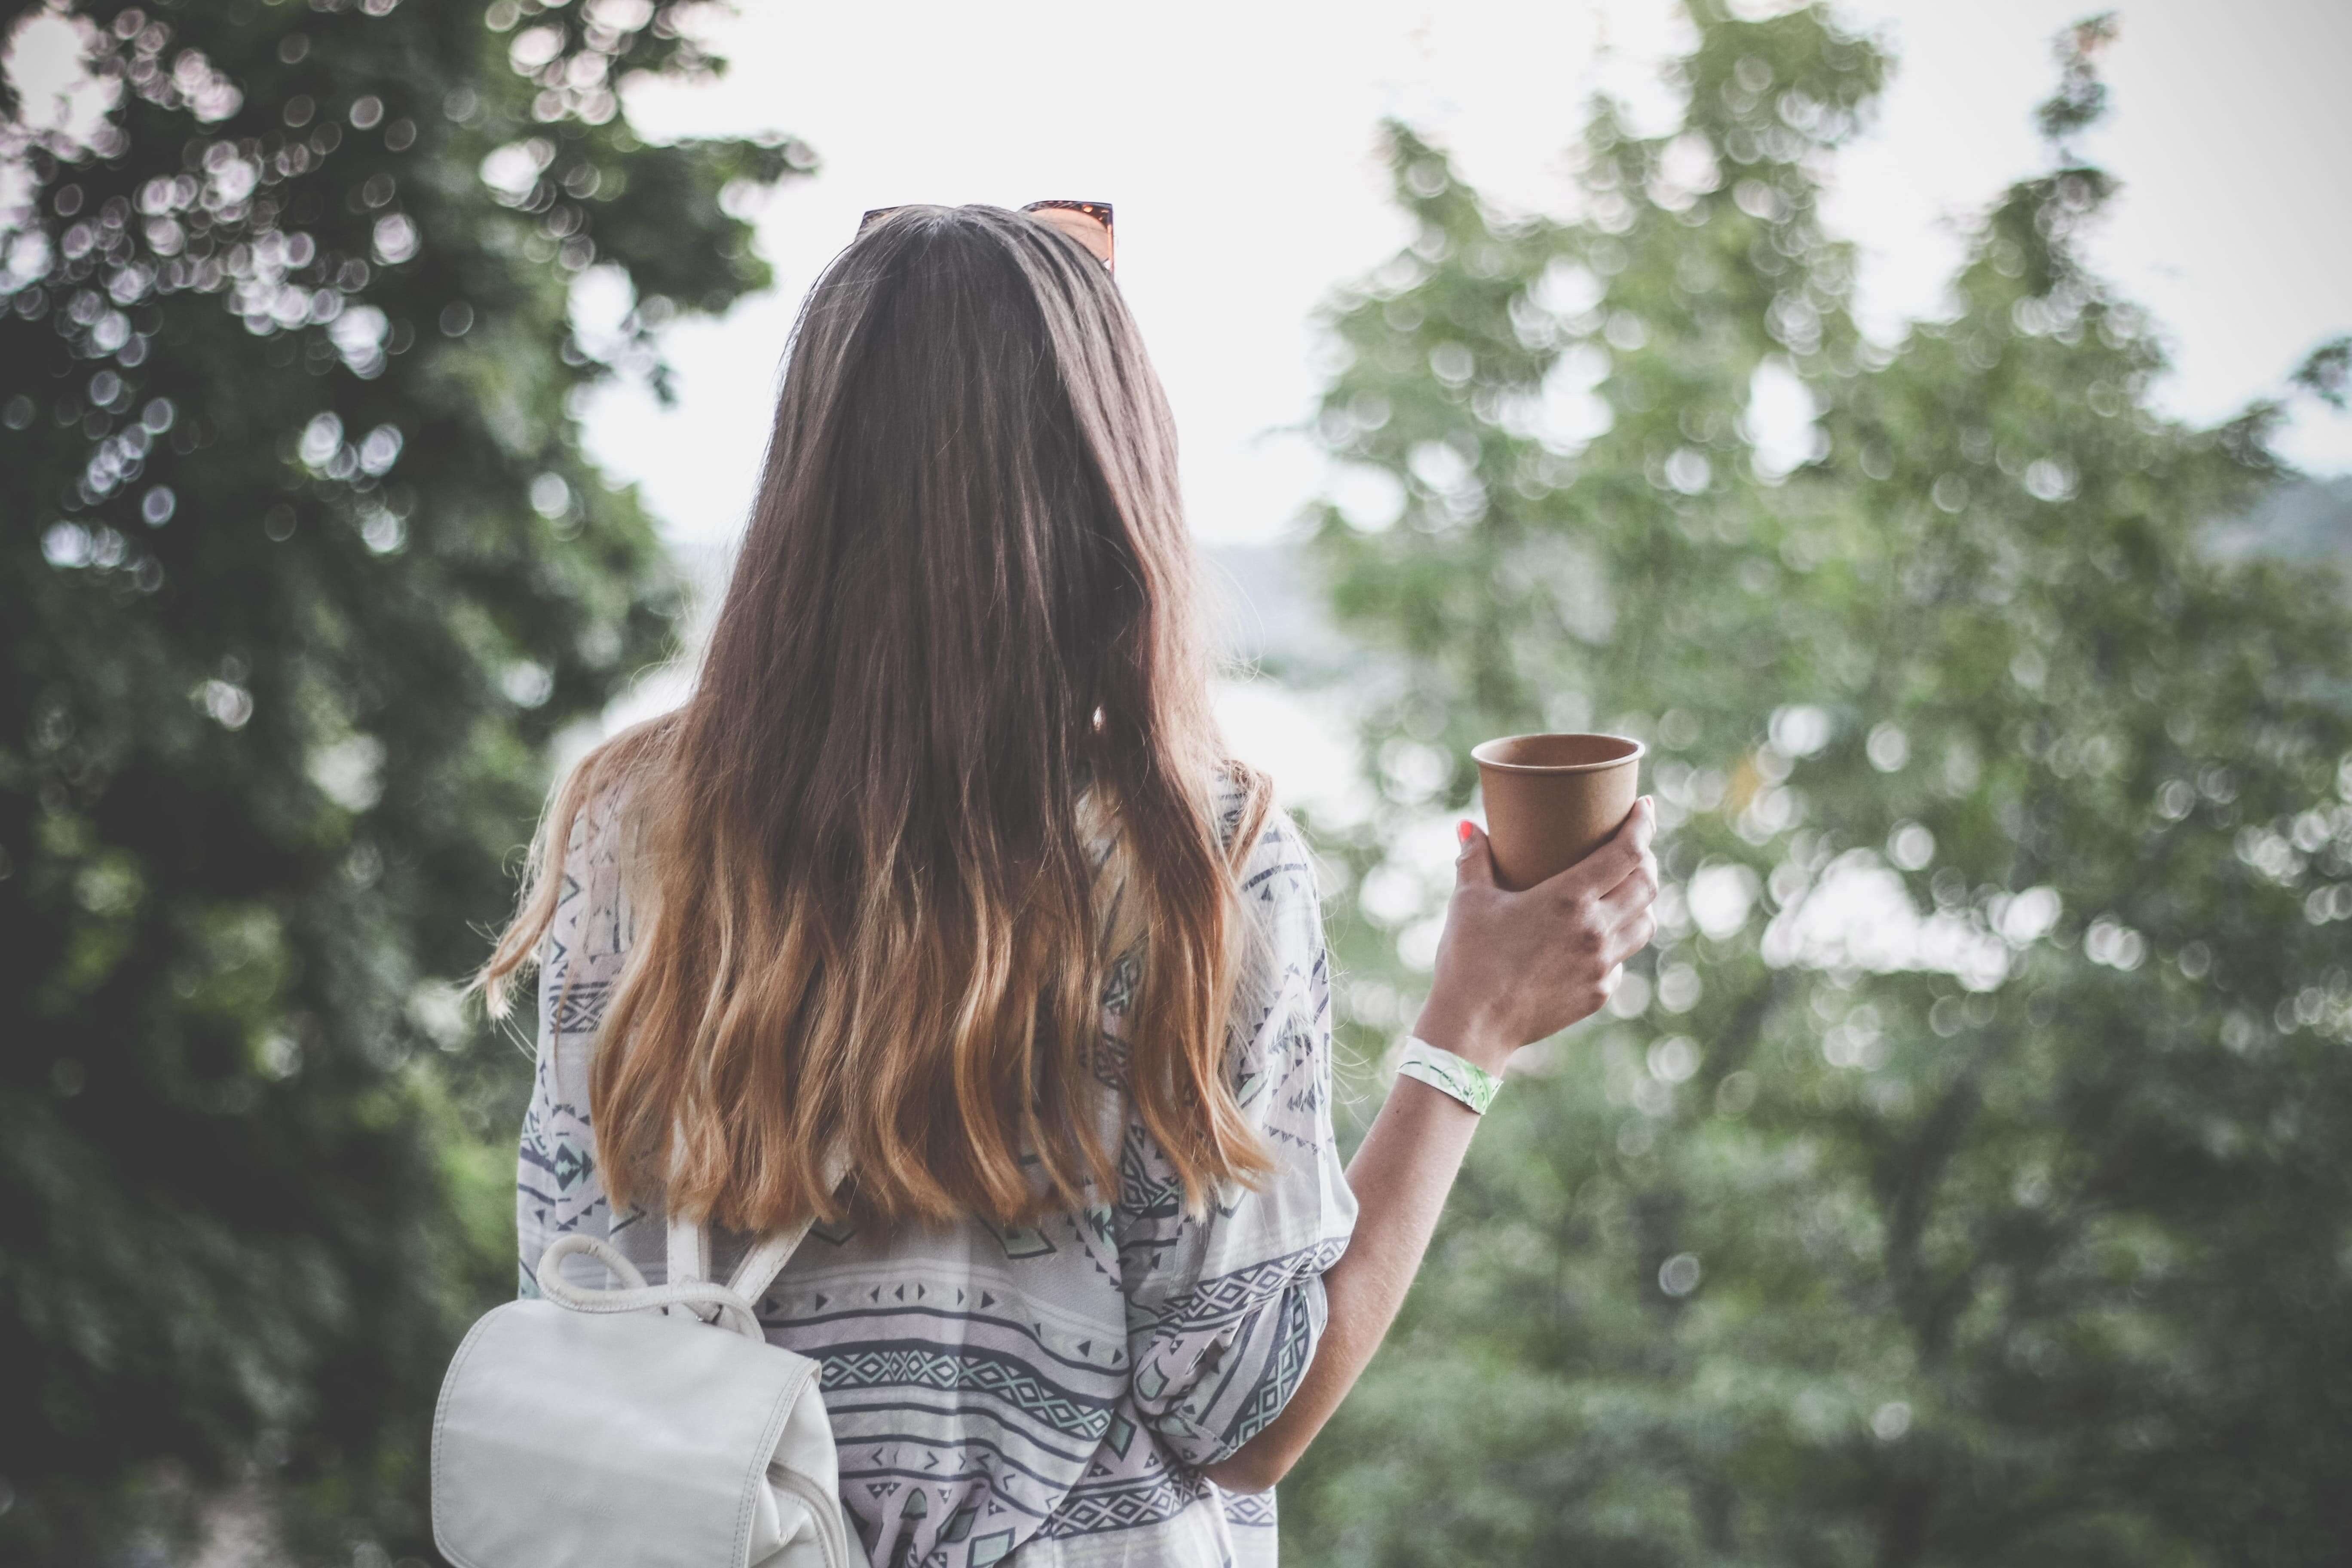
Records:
x=949, y=758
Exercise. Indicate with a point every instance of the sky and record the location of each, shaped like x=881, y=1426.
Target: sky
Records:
x=1238, y=144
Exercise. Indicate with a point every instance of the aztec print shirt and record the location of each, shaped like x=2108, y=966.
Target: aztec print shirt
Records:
x=1031, y=1397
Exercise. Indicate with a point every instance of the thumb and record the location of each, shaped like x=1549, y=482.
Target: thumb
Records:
x=1474, y=866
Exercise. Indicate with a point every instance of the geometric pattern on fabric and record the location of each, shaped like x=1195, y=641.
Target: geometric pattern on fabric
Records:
x=913, y=1366
x=1127, y=1505
x=1058, y=1385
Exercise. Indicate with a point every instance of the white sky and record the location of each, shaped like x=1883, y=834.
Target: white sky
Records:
x=1237, y=142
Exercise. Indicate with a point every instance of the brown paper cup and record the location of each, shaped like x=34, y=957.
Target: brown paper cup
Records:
x=1551, y=800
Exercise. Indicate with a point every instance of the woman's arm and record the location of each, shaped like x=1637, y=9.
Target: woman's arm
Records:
x=1512, y=969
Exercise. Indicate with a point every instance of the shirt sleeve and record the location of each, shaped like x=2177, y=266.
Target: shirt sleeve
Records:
x=1224, y=1310
x=557, y=1188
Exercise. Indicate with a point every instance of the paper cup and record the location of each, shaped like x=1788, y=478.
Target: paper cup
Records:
x=1551, y=800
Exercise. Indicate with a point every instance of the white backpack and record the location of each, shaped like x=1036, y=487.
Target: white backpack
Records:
x=647, y=1426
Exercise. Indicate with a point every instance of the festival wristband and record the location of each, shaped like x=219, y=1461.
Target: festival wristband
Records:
x=1443, y=1071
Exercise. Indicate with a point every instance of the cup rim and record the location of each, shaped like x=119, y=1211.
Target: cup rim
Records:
x=1478, y=753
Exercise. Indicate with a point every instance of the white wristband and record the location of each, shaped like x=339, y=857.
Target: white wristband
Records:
x=1440, y=1068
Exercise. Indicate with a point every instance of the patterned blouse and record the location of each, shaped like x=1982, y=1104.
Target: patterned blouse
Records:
x=1037, y=1397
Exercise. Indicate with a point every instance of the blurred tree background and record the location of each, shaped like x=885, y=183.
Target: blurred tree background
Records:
x=302, y=569
x=1962, y=1178
x=1959, y=1180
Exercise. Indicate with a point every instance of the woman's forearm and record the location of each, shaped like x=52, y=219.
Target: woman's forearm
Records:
x=1511, y=967
x=1400, y=1174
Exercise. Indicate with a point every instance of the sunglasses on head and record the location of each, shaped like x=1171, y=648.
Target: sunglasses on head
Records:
x=1089, y=223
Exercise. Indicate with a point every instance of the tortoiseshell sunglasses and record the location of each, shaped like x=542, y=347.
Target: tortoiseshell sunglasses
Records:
x=1097, y=213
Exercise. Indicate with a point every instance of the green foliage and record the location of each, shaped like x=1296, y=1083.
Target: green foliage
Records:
x=2327, y=374
x=302, y=568
x=1960, y=1178
x=2081, y=98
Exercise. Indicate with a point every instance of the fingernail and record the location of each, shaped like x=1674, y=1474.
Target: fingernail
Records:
x=1462, y=832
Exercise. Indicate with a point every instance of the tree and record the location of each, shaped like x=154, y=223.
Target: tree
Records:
x=1961, y=1179
x=302, y=568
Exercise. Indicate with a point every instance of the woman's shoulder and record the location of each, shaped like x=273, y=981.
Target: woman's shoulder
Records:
x=1276, y=875
x=1241, y=800
x=594, y=805
x=593, y=917
x=594, y=829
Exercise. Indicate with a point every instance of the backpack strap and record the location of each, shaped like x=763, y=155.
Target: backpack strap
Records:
x=690, y=1252
x=714, y=1303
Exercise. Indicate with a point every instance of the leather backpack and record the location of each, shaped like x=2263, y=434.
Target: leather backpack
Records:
x=652, y=1426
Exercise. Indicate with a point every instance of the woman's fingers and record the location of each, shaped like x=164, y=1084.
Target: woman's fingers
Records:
x=1636, y=891
x=1634, y=935
x=1474, y=865
x=1531, y=963
x=1618, y=858
x=1608, y=894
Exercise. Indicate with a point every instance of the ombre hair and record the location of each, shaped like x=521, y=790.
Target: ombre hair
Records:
x=949, y=758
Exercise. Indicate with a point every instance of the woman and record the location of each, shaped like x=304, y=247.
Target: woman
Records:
x=942, y=868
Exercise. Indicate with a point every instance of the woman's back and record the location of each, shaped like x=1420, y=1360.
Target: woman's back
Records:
x=877, y=920
x=1052, y=1387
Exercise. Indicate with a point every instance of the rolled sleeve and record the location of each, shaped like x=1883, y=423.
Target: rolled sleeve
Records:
x=1224, y=1310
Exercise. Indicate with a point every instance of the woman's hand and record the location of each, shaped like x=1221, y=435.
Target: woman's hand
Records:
x=1513, y=968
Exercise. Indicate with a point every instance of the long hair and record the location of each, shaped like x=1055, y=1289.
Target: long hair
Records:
x=950, y=756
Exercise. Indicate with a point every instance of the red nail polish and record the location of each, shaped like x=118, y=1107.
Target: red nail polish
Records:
x=1463, y=831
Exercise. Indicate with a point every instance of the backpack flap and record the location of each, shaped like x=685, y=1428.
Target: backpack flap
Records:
x=567, y=1438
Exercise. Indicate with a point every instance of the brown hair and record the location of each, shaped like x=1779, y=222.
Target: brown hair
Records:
x=958, y=661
